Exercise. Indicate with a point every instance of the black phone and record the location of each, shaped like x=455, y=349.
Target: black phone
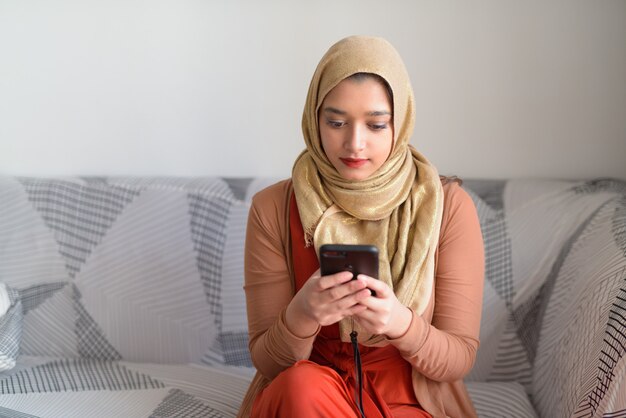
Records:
x=359, y=259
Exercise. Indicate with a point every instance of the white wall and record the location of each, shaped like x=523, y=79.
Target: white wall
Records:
x=196, y=87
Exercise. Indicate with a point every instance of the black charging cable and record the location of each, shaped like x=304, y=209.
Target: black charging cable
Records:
x=358, y=372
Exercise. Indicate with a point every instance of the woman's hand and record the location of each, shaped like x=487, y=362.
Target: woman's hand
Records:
x=325, y=300
x=384, y=314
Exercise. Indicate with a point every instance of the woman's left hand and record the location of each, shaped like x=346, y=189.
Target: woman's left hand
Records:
x=384, y=314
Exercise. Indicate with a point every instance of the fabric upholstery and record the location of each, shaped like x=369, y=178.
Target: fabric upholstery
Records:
x=130, y=291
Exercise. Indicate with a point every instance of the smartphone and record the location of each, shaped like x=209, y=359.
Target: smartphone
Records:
x=359, y=259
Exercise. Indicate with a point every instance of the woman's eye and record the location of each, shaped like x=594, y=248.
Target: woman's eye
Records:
x=378, y=126
x=335, y=123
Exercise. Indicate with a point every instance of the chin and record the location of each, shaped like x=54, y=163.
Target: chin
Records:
x=354, y=176
x=351, y=174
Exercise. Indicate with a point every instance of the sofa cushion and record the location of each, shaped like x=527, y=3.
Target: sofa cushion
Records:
x=500, y=399
x=580, y=367
x=100, y=388
x=117, y=268
x=61, y=387
x=553, y=311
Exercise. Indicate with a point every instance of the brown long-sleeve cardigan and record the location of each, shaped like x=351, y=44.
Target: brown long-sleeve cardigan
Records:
x=440, y=344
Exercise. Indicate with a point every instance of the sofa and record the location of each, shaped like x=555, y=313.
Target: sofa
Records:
x=122, y=297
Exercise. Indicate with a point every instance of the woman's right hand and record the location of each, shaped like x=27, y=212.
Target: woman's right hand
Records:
x=325, y=300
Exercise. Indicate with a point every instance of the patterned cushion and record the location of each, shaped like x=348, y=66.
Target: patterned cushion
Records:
x=42, y=387
x=582, y=339
x=116, y=268
x=502, y=399
x=553, y=307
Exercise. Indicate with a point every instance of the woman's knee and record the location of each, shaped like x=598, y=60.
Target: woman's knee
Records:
x=310, y=382
x=306, y=376
x=305, y=387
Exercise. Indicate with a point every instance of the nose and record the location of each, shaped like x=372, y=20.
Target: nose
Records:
x=355, y=139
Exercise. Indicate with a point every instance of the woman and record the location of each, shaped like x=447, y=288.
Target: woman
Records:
x=359, y=182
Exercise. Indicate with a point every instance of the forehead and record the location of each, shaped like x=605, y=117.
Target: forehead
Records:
x=359, y=92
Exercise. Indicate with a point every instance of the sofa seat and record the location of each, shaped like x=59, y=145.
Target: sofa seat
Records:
x=49, y=387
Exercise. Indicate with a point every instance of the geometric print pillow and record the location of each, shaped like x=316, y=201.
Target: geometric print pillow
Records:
x=580, y=366
x=118, y=268
x=502, y=356
x=231, y=346
x=554, y=309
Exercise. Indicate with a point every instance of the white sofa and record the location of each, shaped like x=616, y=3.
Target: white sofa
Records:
x=126, y=297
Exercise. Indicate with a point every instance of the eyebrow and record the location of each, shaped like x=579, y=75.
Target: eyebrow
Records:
x=379, y=113
x=336, y=111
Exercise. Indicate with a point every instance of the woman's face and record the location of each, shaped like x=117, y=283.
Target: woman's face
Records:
x=356, y=127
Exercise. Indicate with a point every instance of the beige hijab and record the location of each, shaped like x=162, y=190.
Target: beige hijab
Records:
x=398, y=208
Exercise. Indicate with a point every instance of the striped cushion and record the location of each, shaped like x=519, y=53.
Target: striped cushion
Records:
x=175, y=390
x=78, y=387
x=554, y=305
x=501, y=399
x=116, y=268
x=583, y=336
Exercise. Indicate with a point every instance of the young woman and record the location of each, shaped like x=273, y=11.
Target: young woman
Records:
x=360, y=182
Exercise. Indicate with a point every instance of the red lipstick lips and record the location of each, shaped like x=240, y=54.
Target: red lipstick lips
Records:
x=354, y=162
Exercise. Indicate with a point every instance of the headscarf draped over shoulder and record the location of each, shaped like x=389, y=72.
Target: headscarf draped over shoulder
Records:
x=398, y=208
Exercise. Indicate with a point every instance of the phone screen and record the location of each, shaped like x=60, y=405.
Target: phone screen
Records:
x=359, y=259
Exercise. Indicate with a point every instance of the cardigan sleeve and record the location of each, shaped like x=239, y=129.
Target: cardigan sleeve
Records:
x=445, y=349
x=268, y=286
